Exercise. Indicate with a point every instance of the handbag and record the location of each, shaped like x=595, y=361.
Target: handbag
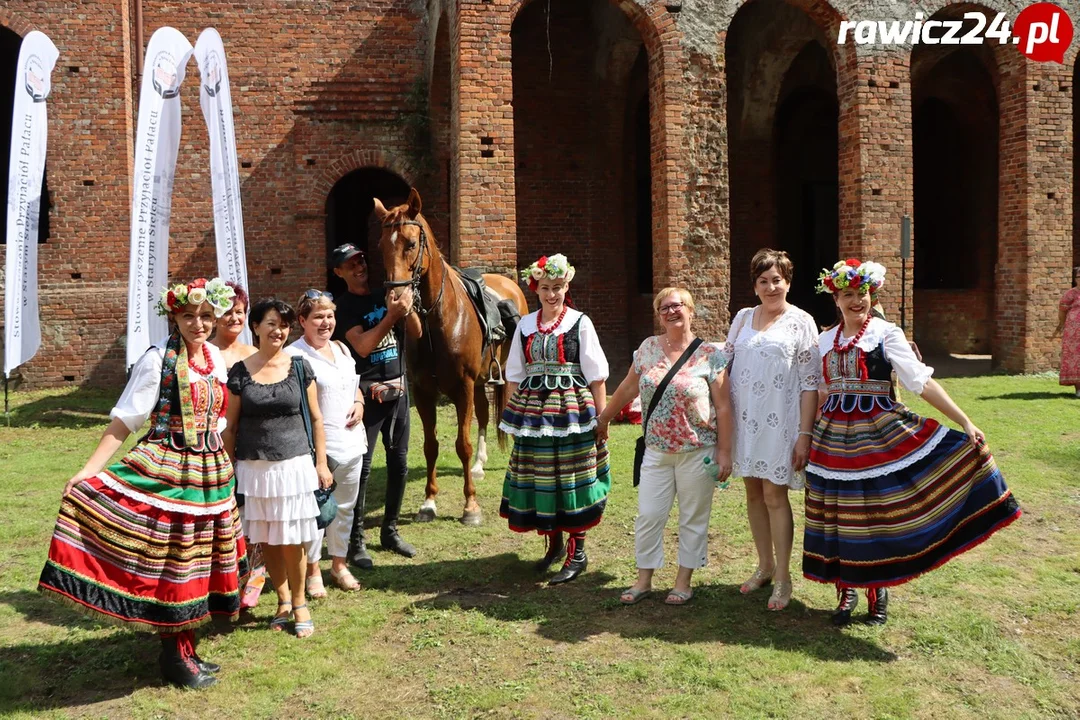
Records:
x=323, y=496
x=639, y=448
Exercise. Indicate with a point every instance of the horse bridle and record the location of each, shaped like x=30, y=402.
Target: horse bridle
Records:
x=417, y=271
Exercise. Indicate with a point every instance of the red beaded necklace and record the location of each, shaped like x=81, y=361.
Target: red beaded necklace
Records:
x=208, y=363
x=550, y=328
x=854, y=341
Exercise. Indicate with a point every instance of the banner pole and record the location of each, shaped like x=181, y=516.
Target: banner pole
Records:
x=7, y=416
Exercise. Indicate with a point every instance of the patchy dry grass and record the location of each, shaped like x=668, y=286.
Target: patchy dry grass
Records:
x=465, y=629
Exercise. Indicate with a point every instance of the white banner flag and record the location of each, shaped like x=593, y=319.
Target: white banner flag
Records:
x=216, y=101
x=156, y=145
x=29, y=136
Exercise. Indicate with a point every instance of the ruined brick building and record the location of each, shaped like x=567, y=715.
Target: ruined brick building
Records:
x=653, y=142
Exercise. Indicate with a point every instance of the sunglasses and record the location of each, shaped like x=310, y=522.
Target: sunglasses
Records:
x=316, y=294
x=672, y=308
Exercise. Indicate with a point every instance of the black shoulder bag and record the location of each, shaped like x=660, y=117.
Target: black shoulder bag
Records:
x=639, y=449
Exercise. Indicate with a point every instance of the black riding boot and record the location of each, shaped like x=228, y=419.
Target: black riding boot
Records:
x=576, y=560
x=179, y=665
x=388, y=537
x=556, y=548
x=848, y=601
x=878, y=599
x=358, y=554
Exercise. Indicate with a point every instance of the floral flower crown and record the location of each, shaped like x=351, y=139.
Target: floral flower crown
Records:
x=216, y=292
x=853, y=274
x=554, y=267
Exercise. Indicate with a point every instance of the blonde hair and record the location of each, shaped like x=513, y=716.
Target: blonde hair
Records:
x=305, y=306
x=687, y=298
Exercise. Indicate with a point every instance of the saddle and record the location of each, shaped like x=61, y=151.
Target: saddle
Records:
x=498, y=318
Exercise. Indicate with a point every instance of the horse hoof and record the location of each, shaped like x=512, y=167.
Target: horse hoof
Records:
x=474, y=518
x=426, y=512
x=477, y=472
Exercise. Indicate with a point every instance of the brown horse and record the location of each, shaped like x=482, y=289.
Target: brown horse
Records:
x=449, y=357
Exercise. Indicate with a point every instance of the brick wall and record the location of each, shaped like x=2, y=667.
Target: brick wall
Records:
x=952, y=321
x=323, y=88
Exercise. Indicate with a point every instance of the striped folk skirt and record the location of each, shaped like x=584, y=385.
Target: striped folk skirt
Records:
x=129, y=553
x=891, y=495
x=556, y=484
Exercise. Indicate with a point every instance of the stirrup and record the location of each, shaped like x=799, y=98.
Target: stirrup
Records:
x=495, y=371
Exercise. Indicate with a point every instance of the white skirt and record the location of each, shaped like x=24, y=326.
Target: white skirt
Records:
x=279, y=500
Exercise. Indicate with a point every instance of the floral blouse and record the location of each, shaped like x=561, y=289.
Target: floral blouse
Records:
x=684, y=418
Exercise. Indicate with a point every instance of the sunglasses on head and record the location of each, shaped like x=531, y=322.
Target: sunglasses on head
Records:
x=316, y=294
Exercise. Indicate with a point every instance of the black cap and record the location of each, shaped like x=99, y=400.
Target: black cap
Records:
x=342, y=253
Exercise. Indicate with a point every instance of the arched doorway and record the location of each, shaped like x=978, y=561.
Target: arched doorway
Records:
x=349, y=216
x=10, y=42
x=955, y=136
x=582, y=159
x=783, y=148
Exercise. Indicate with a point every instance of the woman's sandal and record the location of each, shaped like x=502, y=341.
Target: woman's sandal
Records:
x=757, y=581
x=781, y=595
x=632, y=596
x=279, y=621
x=678, y=597
x=345, y=580
x=303, y=628
x=314, y=586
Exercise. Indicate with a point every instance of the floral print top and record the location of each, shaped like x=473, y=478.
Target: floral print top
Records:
x=684, y=418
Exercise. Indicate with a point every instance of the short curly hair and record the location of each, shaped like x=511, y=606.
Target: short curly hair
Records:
x=767, y=258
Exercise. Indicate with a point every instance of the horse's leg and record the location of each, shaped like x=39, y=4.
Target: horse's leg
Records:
x=480, y=401
x=425, y=408
x=464, y=403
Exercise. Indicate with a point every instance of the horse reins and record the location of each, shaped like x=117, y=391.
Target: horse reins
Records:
x=418, y=305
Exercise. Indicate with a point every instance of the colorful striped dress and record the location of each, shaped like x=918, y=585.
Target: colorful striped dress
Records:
x=891, y=495
x=153, y=542
x=557, y=479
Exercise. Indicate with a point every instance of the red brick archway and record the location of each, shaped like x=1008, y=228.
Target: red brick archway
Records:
x=789, y=89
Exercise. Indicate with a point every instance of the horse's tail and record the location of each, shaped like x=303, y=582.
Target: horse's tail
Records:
x=502, y=397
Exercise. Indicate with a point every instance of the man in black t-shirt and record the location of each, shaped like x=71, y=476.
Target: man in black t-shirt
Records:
x=368, y=322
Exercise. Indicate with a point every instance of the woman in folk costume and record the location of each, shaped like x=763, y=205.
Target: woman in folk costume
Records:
x=558, y=479
x=153, y=542
x=890, y=495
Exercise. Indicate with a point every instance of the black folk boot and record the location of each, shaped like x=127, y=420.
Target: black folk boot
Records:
x=576, y=560
x=878, y=599
x=556, y=548
x=358, y=554
x=848, y=600
x=179, y=665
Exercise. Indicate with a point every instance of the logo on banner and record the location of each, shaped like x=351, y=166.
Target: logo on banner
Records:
x=165, y=79
x=212, y=76
x=36, y=80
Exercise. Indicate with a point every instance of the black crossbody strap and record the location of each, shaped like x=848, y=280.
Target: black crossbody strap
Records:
x=305, y=411
x=662, y=387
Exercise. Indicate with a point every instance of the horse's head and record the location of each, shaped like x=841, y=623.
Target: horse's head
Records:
x=407, y=245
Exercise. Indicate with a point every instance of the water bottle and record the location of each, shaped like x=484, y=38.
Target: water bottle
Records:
x=707, y=461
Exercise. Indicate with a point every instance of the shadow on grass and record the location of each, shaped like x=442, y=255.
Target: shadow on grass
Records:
x=505, y=587
x=73, y=411
x=74, y=672
x=1039, y=395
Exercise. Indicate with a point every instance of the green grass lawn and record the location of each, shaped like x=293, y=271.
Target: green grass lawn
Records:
x=466, y=629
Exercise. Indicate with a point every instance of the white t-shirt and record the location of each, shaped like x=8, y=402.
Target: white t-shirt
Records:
x=335, y=383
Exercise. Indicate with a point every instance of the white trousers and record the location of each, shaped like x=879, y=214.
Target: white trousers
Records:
x=665, y=476
x=347, y=477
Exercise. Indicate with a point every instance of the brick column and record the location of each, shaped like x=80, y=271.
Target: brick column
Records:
x=876, y=179
x=482, y=135
x=1035, y=217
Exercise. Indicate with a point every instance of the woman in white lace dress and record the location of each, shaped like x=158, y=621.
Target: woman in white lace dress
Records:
x=773, y=373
